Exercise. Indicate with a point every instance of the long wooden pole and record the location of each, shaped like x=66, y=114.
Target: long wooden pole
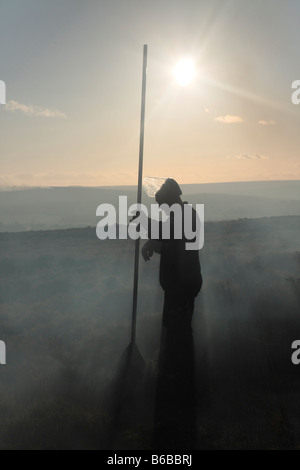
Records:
x=139, y=196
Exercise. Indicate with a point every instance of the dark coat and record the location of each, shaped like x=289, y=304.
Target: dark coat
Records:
x=180, y=269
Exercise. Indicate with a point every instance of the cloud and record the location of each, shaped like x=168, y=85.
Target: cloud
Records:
x=266, y=123
x=229, y=119
x=247, y=156
x=33, y=110
x=284, y=175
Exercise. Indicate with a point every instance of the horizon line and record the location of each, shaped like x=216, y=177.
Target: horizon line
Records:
x=76, y=186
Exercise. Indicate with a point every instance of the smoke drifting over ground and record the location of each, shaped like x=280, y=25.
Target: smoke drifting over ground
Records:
x=65, y=318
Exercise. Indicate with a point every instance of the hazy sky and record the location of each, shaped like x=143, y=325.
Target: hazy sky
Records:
x=73, y=72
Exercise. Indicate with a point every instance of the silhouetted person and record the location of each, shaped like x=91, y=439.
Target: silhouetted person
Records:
x=180, y=277
x=180, y=271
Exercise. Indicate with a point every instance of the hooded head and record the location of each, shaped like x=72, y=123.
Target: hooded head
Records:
x=169, y=193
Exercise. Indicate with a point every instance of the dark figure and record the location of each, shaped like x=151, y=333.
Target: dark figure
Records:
x=180, y=277
x=180, y=271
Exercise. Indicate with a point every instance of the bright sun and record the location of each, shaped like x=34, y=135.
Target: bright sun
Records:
x=184, y=72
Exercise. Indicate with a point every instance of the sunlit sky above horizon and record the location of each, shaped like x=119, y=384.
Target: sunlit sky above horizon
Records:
x=73, y=72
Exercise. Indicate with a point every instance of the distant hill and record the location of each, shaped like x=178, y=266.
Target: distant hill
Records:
x=288, y=190
x=71, y=207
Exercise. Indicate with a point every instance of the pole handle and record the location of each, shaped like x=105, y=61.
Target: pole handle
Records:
x=139, y=195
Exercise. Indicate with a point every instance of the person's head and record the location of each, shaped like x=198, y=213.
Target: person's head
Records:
x=169, y=193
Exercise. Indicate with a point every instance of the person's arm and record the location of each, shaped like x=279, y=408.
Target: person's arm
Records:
x=150, y=247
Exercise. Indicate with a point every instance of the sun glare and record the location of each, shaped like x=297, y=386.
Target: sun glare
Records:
x=184, y=72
